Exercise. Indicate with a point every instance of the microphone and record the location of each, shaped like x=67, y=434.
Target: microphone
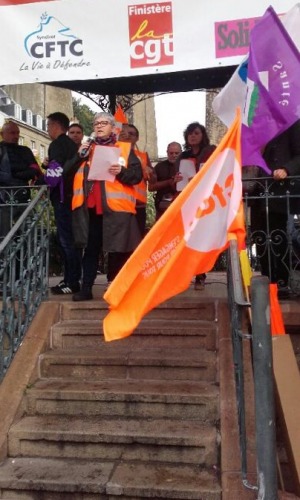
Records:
x=83, y=153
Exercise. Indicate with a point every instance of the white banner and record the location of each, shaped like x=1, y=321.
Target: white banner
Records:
x=53, y=40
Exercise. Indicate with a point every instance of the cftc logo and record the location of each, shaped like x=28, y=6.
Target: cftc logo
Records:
x=150, y=34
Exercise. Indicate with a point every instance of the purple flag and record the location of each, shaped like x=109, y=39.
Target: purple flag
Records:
x=273, y=87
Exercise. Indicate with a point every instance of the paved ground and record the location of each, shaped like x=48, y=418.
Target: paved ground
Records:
x=216, y=287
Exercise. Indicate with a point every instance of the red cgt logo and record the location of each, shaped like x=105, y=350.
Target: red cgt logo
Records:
x=150, y=34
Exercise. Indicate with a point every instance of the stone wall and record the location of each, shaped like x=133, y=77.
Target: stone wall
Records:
x=41, y=99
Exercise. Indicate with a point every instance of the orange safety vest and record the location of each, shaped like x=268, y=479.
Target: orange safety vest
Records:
x=141, y=188
x=119, y=197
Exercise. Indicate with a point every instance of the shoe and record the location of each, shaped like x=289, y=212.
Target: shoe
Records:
x=84, y=294
x=199, y=285
x=63, y=289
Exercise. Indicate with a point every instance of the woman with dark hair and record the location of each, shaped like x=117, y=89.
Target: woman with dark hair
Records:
x=196, y=147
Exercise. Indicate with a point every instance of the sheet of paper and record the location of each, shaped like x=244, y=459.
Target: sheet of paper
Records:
x=187, y=170
x=103, y=157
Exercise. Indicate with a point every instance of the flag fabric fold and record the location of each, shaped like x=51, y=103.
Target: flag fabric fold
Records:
x=185, y=241
x=119, y=115
x=272, y=102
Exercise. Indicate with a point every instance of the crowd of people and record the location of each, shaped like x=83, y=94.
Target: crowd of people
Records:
x=96, y=213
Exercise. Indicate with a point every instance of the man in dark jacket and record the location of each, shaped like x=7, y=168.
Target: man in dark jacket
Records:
x=62, y=149
x=17, y=168
x=164, y=179
x=282, y=156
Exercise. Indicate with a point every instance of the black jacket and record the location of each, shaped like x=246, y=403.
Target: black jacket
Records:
x=284, y=152
x=61, y=150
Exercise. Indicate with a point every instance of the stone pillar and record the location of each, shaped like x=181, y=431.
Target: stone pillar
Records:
x=144, y=119
x=215, y=128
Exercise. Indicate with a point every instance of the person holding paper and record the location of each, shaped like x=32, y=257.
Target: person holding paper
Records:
x=165, y=179
x=109, y=204
x=197, y=150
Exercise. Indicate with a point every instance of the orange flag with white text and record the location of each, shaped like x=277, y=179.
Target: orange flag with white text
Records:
x=184, y=242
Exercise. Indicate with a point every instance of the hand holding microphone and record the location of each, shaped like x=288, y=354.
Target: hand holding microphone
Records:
x=83, y=151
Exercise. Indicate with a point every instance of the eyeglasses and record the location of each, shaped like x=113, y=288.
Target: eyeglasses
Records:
x=102, y=124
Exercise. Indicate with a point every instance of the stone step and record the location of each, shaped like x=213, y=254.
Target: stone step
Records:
x=176, y=308
x=106, y=479
x=119, y=438
x=134, y=398
x=110, y=360
x=150, y=333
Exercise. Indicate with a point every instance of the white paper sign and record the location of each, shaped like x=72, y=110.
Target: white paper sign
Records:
x=103, y=157
x=187, y=170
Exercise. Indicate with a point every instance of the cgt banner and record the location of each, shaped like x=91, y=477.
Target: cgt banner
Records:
x=53, y=40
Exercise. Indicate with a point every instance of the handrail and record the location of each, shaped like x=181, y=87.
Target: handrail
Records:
x=24, y=256
x=263, y=389
x=263, y=375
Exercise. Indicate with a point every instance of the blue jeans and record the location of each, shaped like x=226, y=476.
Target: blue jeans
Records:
x=71, y=255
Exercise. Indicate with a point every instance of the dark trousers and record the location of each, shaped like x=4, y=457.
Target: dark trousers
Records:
x=70, y=254
x=91, y=254
x=116, y=261
x=141, y=219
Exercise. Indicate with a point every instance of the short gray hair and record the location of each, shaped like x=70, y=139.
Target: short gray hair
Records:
x=105, y=116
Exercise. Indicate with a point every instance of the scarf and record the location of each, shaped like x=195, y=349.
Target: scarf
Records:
x=106, y=141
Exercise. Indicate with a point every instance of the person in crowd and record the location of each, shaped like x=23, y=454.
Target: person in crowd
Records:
x=110, y=206
x=197, y=148
x=18, y=167
x=130, y=133
x=75, y=132
x=61, y=150
x=164, y=179
x=282, y=156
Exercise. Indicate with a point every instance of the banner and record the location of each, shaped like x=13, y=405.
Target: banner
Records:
x=53, y=40
x=184, y=242
x=233, y=95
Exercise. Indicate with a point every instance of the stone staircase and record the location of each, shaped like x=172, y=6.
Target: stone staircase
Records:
x=132, y=419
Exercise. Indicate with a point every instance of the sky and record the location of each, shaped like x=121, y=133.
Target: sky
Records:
x=173, y=113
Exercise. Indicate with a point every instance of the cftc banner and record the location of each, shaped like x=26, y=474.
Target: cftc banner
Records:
x=53, y=40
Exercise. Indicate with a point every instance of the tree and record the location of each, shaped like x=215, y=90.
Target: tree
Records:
x=84, y=115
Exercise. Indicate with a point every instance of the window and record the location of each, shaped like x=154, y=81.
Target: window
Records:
x=18, y=112
x=42, y=152
x=32, y=144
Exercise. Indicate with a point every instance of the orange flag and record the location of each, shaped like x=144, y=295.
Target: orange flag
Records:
x=277, y=325
x=119, y=115
x=185, y=241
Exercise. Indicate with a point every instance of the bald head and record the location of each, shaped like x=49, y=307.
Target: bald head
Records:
x=173, y=151
x=10, y=133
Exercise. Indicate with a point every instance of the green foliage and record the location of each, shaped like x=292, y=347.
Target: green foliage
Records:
x=84, y=115
x=150, y=211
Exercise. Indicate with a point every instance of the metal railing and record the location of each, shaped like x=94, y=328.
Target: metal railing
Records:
x=272, y=211
x=24, y=255
x=260, y=338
